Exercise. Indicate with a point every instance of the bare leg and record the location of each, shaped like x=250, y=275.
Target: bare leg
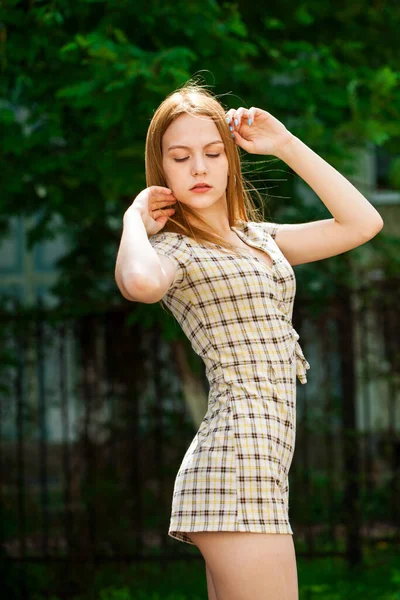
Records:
x=212, y=595
x=249, y=566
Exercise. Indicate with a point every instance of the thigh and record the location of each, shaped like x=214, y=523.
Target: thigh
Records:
x=212, y=594
x=249, y=566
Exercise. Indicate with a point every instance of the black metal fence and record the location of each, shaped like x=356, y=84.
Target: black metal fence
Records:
x=93, y=427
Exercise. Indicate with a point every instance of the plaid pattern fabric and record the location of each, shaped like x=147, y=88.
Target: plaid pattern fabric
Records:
x=236, y=312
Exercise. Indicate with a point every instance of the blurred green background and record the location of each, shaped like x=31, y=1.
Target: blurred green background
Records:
x=84, y=444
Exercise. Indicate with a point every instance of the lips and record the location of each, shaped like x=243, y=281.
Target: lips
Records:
x=201, y=185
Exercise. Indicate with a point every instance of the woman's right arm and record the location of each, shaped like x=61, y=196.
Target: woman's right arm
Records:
x=141, y=274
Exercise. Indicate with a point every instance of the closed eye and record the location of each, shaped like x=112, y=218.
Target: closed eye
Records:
x=183, y=159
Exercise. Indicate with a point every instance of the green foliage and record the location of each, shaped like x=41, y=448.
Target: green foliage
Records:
x=326, y=578
x=394, y=174
x=81, y=80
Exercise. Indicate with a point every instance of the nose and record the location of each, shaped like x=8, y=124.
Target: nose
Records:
x=199, y=166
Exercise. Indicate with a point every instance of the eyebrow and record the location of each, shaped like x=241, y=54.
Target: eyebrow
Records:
x=188, y=147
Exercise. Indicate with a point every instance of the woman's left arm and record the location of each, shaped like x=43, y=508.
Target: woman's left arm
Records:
x=355, y=221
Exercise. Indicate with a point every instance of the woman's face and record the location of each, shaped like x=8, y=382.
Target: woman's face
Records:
x=199, y=162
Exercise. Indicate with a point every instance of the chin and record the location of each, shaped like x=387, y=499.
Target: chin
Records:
x=206, y=199
x=201, y=203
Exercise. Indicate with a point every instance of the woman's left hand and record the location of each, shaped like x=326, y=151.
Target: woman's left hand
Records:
x=265, y=134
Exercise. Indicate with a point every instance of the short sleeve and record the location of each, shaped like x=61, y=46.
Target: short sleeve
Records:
x=174, y=246
x=271, y=228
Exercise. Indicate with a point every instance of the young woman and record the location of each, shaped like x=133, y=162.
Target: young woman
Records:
x=192, y=239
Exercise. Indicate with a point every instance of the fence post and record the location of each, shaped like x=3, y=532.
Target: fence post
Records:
x=351, y=454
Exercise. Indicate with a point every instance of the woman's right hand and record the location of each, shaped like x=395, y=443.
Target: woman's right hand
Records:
x=155, y=205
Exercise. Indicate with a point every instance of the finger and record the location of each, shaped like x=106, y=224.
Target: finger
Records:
x=158, y=189
x=239, y=116
x=162, y=222
x=252, y=115
x=158, y=198
x=162, y=209
x=242, y=117
x=241, y=141
x=162, y=213
x=229, y=119
x=164, y=200
x=229, y=116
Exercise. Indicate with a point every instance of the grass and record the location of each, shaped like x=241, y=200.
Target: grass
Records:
x=319, y=579
x=331, y=579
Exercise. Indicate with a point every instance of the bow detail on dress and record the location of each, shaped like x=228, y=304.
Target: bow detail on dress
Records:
x=302, y=364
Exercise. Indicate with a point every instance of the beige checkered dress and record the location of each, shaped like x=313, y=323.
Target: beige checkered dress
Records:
x=236, y=312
